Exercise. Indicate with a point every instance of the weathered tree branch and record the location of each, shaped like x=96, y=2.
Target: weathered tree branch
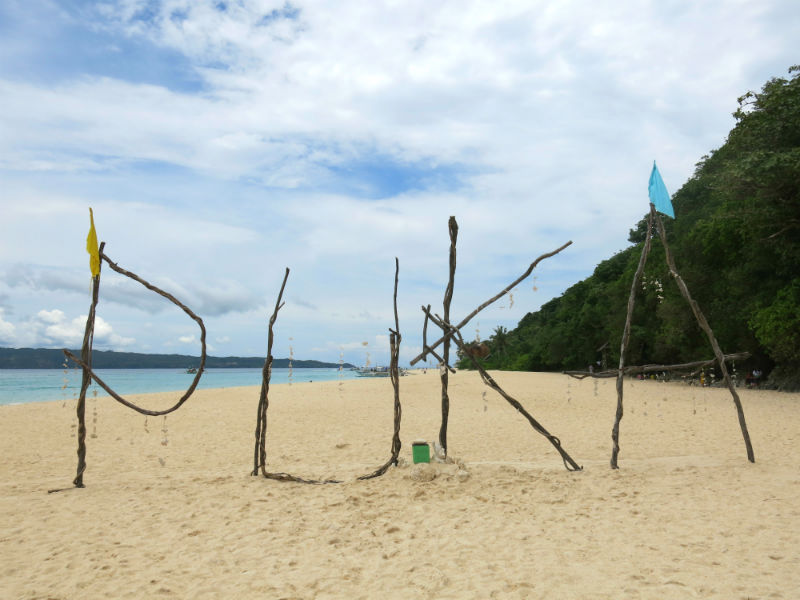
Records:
x=86, y=356
x=87, y=367
x=85, y=361
x=655, y=368
x=626, y=333
x=430, y=350
x=469, y=317
x=448, y=297
x=569, y=463
x=260, y=451
x=394, y=372
x=701, y=320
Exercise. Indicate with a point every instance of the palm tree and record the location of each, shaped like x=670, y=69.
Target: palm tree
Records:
x=499, y=340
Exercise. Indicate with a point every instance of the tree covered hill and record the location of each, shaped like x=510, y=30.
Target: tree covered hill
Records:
x=736, y=242
x=42, y=358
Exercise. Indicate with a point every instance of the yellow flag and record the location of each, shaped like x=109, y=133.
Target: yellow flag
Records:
x=92, y=249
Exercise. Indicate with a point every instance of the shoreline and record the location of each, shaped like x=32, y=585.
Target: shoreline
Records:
x=48, y=385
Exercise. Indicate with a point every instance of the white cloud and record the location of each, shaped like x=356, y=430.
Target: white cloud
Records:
x=7, y=330
x=104, y=335
x=52, y=317
x=53, y=328
x=332, y=137
x=494, y=85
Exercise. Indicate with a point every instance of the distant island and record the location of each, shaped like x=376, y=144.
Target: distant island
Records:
x=45, y=358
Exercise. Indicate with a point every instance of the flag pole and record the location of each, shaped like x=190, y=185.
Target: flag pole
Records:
x=86, y=348
x=86, y=358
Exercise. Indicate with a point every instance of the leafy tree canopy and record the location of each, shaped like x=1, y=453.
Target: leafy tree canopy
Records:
x=736, y=241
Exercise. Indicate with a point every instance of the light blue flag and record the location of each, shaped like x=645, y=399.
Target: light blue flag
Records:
x=659, y=196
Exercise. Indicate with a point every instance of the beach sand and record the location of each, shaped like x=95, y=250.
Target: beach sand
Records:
x=685, y=516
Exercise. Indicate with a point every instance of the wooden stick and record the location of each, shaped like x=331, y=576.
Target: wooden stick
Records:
x=701, y=320
x=508, y=288
x=569, y=464
x=85, y=361
x=86, y=356
x=87, y=367
x=448, y=297
x=624, y=344
x=655, y=368
x=430, y=350
x=394, y=372
x=260, y=451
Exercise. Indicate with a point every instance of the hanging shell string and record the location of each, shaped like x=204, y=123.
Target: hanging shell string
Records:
x=94, y=413
x=340, y=375
x=65, y=383
x=164, y=437
x=291, y=358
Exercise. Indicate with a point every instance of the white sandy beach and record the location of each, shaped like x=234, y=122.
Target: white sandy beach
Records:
x=686, y=515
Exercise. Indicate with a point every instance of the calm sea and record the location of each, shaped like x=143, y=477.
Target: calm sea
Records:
x=18, y=386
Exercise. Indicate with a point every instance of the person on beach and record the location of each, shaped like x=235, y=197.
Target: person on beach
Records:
x=753, y=378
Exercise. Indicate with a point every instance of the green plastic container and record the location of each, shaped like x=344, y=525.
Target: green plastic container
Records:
x=421, y=452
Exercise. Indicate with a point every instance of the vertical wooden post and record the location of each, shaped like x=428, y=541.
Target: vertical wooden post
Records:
x=260, y=452
x=394, y=372
x=625, y=337
x=448, y=297
x=86, y=378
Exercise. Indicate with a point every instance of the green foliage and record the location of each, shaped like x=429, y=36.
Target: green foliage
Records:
x=736, y=242
x=777, y=326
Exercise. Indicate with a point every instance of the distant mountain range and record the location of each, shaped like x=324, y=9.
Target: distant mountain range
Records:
x=44, y=358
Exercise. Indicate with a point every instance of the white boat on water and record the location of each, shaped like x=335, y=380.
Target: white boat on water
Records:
x=373, y=371
x=376, y=371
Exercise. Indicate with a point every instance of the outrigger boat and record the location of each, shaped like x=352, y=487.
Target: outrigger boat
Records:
x=373, y=371
x=376, y=371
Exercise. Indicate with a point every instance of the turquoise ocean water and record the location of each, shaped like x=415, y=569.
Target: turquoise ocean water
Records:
x=18, y=386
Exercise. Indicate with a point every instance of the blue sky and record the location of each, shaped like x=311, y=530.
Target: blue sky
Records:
x=220, y=142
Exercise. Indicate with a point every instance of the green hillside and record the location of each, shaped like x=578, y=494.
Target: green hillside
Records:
x=45, y=358
x=736, y=242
